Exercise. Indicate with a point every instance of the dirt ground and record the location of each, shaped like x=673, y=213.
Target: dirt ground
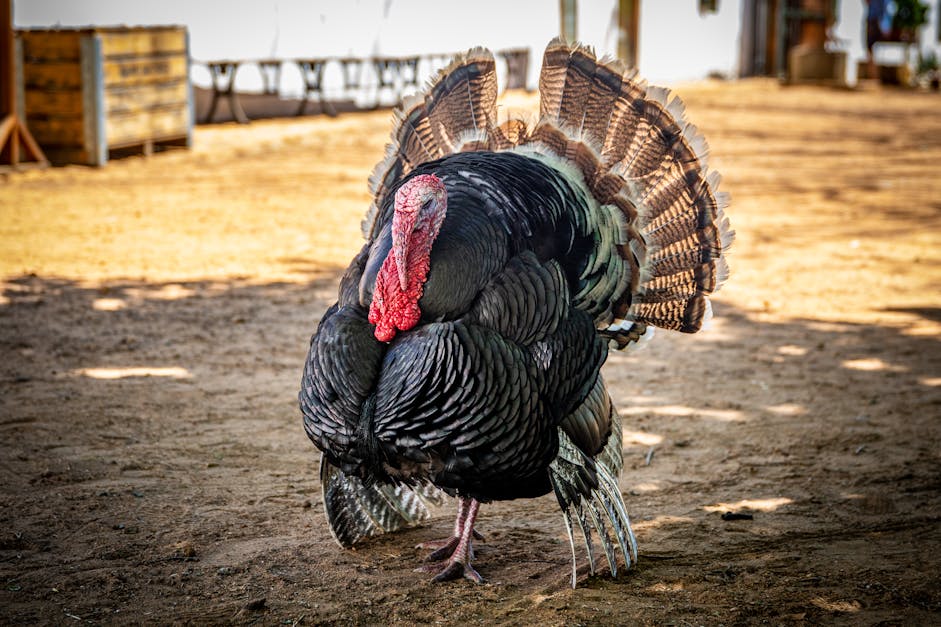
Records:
x=155, y=315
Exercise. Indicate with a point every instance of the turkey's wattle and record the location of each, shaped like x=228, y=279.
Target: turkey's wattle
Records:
x=420, y=206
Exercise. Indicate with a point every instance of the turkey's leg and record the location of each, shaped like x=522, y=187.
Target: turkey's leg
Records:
x=460, y=563
x=444, y=548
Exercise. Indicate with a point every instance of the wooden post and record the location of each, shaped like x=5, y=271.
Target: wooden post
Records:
x=568, y=16
x=814, y=25
x=628, y=29
x=13, y=131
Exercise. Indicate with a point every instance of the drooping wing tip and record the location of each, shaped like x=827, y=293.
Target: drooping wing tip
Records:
x=599, y=509
x=356, y=510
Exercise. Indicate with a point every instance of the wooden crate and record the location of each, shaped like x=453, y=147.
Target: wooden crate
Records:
x=86, y=92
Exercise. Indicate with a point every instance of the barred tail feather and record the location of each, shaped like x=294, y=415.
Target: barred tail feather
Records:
x=356, y=510
x=636, y=151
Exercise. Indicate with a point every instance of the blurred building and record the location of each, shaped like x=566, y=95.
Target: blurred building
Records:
x=673, y=40
x=774, y=30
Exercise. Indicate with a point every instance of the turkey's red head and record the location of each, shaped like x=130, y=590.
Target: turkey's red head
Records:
x=420, y=205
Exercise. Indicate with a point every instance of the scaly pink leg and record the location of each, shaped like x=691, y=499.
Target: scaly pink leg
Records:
x=444, y=548
x=461, y=554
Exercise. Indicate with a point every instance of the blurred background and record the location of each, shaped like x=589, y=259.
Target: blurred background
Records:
x=369, y=53
x=674, y=40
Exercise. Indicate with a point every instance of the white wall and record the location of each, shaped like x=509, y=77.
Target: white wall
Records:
x=850, y=34
x=676, y=42
x=597, y=25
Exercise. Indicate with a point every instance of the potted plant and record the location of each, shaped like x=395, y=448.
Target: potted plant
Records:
x=909, y=16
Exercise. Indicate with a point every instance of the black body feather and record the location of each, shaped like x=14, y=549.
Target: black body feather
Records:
x=471, y=399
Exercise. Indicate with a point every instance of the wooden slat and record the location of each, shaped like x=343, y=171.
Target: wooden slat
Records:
x=144, y=97
x=52, y=75
x=61, y=155
x=137, y=75
x=142, y=43
x=50, y=45
x=53, y=102
x=58, y=131
x=143, y=71
x=154, y=124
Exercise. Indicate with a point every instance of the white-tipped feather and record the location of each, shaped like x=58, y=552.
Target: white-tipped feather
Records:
x=677, y=109
x=600, y=512
x=697, y=142
x=469, y=137
x=713, y=178
x=658, y=94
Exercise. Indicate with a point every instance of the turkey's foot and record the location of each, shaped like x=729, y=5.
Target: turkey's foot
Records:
x=443, y=549
x=459, y=548
x=455, y=569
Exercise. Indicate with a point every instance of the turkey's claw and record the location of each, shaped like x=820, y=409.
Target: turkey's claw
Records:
x=455, y=569
x=438, y=544
x=444, y=551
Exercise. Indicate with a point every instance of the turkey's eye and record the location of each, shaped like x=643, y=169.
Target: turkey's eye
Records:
x=426, y=204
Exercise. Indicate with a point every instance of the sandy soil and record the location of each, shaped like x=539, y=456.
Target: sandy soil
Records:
x=155, y=315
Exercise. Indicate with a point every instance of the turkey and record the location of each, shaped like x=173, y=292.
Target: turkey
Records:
x=503, y=259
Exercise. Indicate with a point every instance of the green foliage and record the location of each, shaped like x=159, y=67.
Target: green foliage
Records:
x=927, y=63
x=909, y=14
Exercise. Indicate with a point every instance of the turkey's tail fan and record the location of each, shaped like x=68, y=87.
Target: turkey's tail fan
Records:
x=628, y=143
x=588, y=493
x=356, y=510
x=636, y=152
